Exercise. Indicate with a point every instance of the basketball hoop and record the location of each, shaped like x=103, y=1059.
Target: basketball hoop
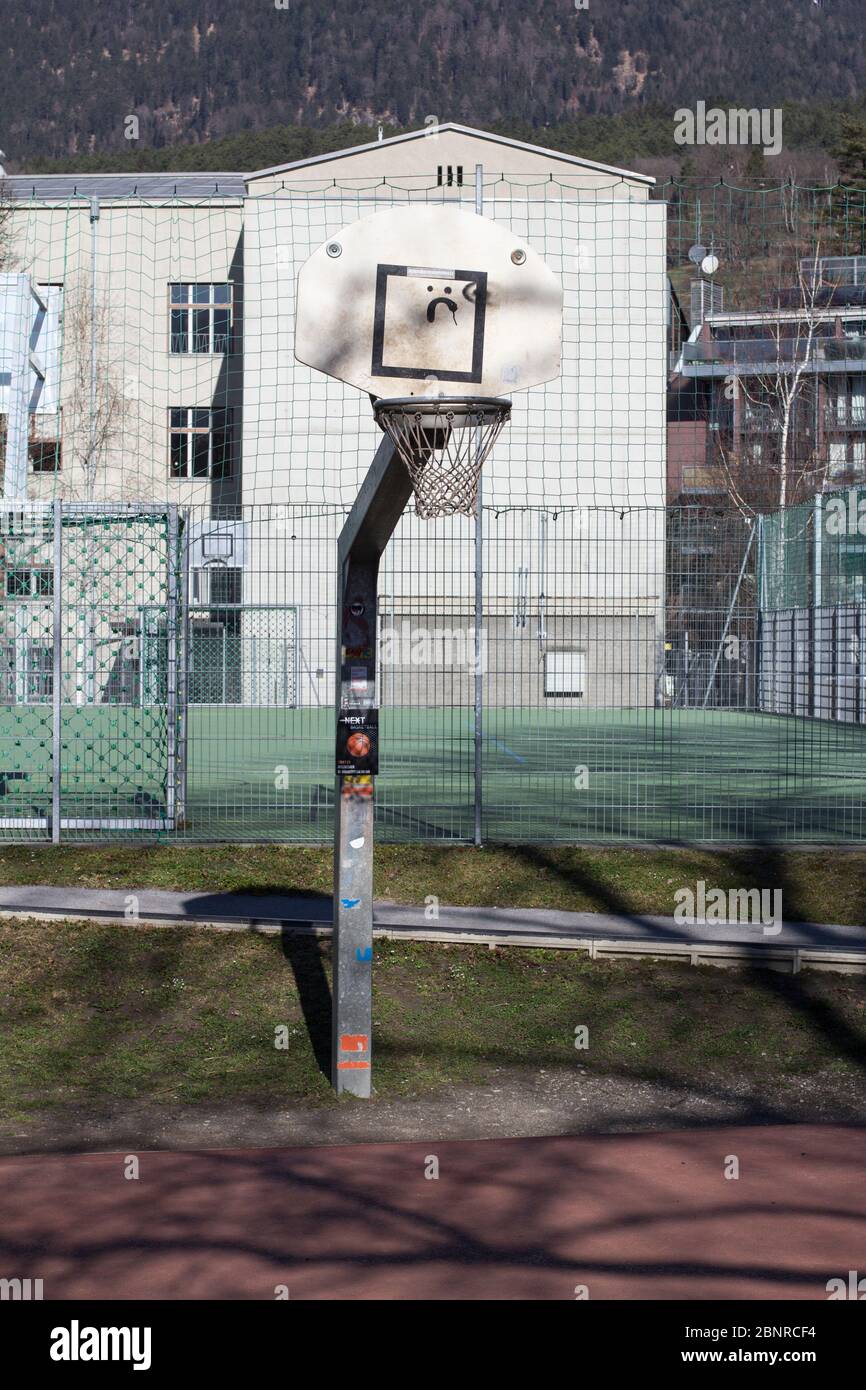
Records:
x=412, y=298
x=444, y=442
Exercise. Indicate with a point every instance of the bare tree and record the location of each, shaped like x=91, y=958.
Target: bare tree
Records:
x=780, y=404
x=6, y=252
x=95, y=403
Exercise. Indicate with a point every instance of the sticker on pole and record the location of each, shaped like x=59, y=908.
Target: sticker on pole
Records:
x=357, y=741
x=358, y=1047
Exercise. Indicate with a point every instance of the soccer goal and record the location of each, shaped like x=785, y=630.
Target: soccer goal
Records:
x=91, y=669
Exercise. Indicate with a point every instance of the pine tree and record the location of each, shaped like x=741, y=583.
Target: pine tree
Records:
x=755, y=171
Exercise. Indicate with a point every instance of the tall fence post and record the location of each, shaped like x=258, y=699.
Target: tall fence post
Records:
x=172, y=635
x=57, y=676
x=479, y=597
x=183, y=671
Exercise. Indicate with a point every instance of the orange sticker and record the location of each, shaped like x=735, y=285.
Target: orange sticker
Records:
x=354, y=1042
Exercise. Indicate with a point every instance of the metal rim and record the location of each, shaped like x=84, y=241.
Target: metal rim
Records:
x=470, y=408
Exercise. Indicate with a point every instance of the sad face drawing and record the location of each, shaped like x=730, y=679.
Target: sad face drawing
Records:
x=444, y=299
x=429, y=322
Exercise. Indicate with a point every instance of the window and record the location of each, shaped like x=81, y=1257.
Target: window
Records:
x=200, y=443
x=29, y=583
x=43, y=445
x=449, y=175
x=847, y=459
x=201, y=318
x=838, y=458
x=847, y=403
x=565, y=674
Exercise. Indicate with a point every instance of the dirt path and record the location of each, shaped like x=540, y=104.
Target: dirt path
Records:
x=515, y=1103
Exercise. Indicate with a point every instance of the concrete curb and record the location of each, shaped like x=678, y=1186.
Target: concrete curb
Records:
x=797, y=945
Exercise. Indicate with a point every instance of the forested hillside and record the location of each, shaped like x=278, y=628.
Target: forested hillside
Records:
x=193, y=71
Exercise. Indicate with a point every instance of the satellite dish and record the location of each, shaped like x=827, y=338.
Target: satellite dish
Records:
x=697, y=253
x=710, y=264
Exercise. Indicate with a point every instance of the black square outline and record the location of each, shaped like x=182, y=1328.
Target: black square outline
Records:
x=378, y=367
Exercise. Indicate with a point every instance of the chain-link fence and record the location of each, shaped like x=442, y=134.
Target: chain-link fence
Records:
x=170, y=672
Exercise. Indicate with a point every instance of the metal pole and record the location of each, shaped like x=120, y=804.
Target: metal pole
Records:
x=818, y=582
x=171, y=674
x=94, y=218
x=57, y=677
x=183, y=674
x=377, y=509
x=817, y=619
x=760, y=624
x=90, y=619
x=479, y=597
x=352, y=1051
x=686, y=660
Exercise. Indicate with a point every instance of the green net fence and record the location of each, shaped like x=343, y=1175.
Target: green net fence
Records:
x=670, y=603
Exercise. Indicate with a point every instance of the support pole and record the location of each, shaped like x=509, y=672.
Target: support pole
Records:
x=172, y=635
x=478, y=693
x=817, y=611
x=369, y=526
x=57, y=678
x=183, y=674
x=353, y=845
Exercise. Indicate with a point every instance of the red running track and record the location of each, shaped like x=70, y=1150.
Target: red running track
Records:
x=629, y=1216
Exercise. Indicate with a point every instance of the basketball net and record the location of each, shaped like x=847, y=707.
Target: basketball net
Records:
x=444, y=443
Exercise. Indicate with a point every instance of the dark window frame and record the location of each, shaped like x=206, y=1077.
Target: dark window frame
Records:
x=192, y=318
x=200, y=447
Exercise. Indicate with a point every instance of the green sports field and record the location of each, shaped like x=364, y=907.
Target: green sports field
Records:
x=587, y=775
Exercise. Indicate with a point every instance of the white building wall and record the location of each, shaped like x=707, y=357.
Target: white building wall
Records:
x=595, y=438
x=138, y=250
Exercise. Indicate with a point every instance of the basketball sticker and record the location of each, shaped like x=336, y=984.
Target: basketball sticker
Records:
x=358, y=741
x=358, y=745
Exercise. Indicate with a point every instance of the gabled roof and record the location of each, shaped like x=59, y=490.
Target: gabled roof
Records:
x=202, y=184
x=570, y=159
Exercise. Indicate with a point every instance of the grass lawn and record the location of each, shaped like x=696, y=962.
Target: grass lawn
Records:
x=93, y=1015
x=823, y=885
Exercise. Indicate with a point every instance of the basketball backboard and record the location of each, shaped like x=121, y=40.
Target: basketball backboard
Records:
x=429, y=300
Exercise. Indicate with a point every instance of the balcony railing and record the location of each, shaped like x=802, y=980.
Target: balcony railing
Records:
x=773, y=354
x=850, y=420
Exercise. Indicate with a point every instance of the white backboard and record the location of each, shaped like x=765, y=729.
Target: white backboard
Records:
x=429, y=300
